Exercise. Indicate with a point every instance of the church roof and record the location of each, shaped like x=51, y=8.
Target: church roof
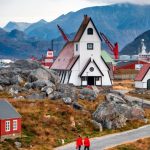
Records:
x=142, y=73
x=66, y=58
x=82, y=28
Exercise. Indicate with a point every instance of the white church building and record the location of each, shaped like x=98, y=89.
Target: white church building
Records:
x=80, y=61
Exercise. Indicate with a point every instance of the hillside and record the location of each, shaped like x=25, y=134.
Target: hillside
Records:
x=120, y=22
x=133, y=48
x=16, y=44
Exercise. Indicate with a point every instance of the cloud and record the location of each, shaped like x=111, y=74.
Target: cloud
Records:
x=142, y=2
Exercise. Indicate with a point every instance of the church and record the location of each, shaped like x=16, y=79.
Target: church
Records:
x=80, y=61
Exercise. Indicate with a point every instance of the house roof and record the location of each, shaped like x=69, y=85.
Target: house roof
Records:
x=7, y=111
x=65, y=57
x=82, y=28
x=142, y=73
x=106, y=56
x=125, y=63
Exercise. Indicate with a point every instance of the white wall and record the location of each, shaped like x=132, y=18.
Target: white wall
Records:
x=75, y=51
x=98, y=82
x=87, y=71
x=143, y=83
x=86, y=54
x=140, y=85
x=74, y=78
x=106, y=81
x=84, y=83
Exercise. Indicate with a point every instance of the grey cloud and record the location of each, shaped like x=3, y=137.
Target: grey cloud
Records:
x=142, y=2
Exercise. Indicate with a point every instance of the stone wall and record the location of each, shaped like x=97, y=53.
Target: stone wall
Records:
x=10, y=136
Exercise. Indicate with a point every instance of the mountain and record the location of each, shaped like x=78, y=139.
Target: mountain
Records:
x=120, y=22
x=134, y=47
x=16, y=44
x=34, y=28
x=21, y=26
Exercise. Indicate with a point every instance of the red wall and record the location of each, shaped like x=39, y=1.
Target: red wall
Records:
x=2, y=126
x=130, y=66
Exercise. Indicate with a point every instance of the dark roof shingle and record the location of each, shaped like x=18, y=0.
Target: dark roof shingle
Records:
x=82, y=28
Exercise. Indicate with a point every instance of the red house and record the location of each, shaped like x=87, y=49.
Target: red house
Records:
x=10, y=121
x=130, y=64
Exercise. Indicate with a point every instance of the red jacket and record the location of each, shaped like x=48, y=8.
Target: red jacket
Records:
x=87, y=142
x=79, y=142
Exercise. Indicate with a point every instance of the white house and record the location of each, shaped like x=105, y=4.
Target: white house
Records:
x=80, y=61
x=142, y=80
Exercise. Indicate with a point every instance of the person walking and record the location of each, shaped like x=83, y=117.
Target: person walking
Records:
x=86, y=143
x=79, y=143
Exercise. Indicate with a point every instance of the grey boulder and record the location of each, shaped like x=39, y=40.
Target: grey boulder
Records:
x=67, y=100
x=55, y=95
x=16, y=79
x=115, y=111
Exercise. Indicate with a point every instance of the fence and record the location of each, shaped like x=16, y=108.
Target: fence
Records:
x=124, y=76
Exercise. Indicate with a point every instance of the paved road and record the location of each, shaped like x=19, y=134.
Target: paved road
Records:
x=101, y=143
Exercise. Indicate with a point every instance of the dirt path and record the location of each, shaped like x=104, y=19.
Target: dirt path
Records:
x=104, y=142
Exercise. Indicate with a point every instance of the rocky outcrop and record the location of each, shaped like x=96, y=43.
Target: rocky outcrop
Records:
x=116, y=110
x=36, y=96
x=89, y=94
x=26, y=75
x=97, y=126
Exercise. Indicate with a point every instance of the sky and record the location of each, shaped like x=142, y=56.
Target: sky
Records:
x=34, y=10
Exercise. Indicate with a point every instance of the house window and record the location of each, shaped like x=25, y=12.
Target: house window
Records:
x=7, y=126
x=15, y=125
x=83, y=78
x=90, y=46
x=90, y=31
x=77, y=47
x=97, y=78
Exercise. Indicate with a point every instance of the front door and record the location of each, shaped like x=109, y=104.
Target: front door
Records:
x=90, y=81
x=148, y=84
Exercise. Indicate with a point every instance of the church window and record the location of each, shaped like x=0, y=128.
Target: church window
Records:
x=90, y=31
x=91, y=69
x=77, y=47
x=90, y=46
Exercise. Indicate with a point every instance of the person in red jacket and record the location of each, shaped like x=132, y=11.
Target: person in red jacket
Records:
x=86, y=143
x=79, y=143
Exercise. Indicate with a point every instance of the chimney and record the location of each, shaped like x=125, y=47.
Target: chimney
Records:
x=85, y=16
